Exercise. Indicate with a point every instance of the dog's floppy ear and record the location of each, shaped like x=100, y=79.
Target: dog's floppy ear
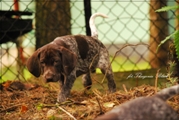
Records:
x=69, y=60
x=33, y=64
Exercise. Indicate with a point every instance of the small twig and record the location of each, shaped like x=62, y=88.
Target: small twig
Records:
x=12, y=108
x=75, y=102
x=151, y=93
x=67, y=112
x=93, y=60
x=100, y=108
x=99, y=83
x=95, y=92
x=156, y=80
x=116, y=55
x=124, y=87
x=91, y=66
x=79, y=103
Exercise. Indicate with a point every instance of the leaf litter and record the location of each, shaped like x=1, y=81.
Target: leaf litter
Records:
x=20, y=101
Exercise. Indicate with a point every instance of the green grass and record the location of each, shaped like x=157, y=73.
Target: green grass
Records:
x=122, y=64
x=10, y=73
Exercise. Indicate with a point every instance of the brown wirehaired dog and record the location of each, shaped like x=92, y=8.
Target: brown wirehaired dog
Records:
x=70, y=56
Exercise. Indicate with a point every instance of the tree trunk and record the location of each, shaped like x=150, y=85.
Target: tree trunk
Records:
x=52, y=20
x=177, y=14
x=158, y=32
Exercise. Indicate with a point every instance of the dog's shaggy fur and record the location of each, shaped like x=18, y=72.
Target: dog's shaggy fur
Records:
x=70, y=56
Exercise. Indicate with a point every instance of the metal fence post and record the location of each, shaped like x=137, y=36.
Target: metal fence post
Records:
x=87, y=7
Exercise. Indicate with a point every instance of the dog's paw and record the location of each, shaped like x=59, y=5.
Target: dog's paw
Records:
x=112, y=89
x=61, y=98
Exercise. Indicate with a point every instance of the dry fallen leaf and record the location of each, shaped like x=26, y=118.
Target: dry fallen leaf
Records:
x=23, y=109
x=51, y=113
x=6, y=85
x=109, y=104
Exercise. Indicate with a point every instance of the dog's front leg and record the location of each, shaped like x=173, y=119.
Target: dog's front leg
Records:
x=66, y=88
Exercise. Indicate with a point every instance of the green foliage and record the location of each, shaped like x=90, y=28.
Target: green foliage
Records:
x=52, y=118
x=40, y=106
x=167, y=38
x=171, y=80
x=175, y=34
x=176, y=42
x=167, y=8
x=172, y=64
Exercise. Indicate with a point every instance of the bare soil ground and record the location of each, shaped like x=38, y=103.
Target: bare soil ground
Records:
x=27, y=101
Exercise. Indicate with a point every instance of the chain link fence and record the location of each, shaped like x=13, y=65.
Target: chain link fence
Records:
x=129, y=22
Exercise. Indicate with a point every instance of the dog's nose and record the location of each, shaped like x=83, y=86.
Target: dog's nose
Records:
x=49, y=77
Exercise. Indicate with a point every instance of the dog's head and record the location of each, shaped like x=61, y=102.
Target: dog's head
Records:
x=53, y=62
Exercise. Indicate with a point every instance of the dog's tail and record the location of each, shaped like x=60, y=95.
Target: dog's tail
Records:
x=94, y=32
x=168, y=92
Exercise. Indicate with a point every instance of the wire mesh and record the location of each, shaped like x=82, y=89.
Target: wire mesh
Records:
x=128, y=23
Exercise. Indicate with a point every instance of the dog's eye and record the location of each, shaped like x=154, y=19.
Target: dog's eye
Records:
x=42, y=63
x=56, y=61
